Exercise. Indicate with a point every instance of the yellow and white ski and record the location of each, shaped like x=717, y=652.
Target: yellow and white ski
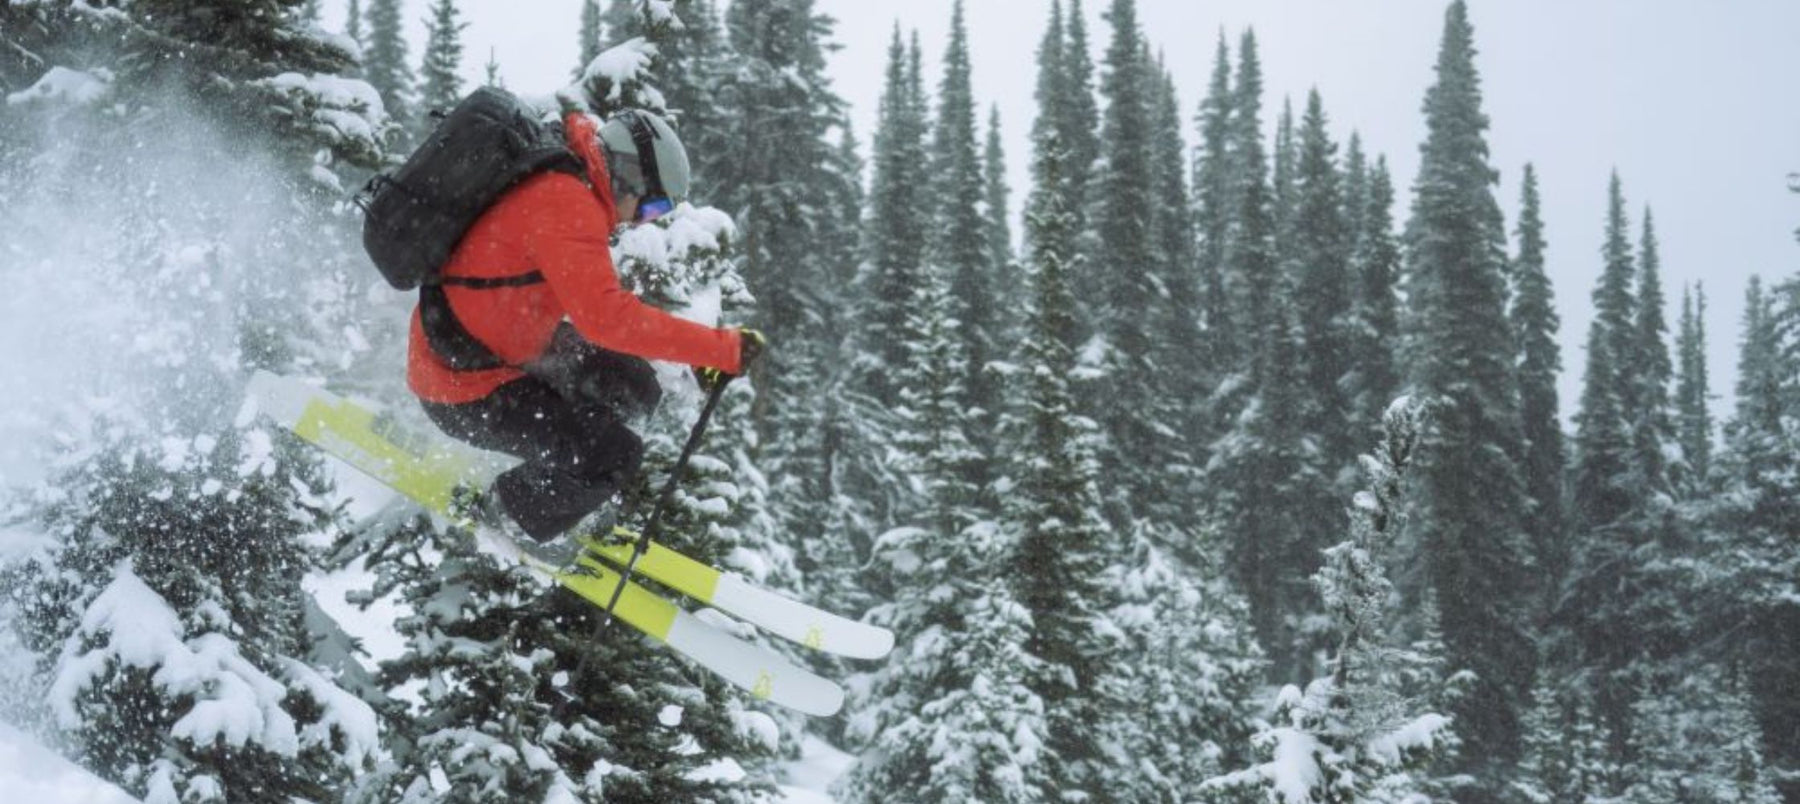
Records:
x=729, y=592
x=428, y=470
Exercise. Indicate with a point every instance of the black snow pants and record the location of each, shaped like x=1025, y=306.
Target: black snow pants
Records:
x=568, y=418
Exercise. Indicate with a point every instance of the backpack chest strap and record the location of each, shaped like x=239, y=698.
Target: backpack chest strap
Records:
x=493, y=282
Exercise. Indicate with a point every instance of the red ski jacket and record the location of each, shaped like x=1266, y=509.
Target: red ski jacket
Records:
x=558, y=225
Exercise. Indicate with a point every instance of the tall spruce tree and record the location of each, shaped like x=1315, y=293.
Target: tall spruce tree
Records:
x=1248, y=252
x=896, y=217
x=1055, y=506
x=1534, y=319
x=1752, y=540
x=1473, y=498
x=1602, y=442
x=1616, y=587
x=1080, y=124
x=385, y=64
x=353, y=21
x=1324, y=290
x=170, y=616
x=1176, y=317
x=1355, y=181
x=1652, y=371
x=1374, y=335
x=1134, y=452
x=440, y=85
x=1284, y=159
x=953, y=718
x=997, y=230
x=959, y=242
x=781, y=102
x=1254, y=463
x=588, y=36
x=1214, y=211
x=1693, y=415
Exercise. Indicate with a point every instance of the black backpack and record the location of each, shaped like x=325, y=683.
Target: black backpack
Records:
x=415, y=216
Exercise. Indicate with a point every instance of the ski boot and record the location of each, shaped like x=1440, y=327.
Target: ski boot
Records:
x=481, y=512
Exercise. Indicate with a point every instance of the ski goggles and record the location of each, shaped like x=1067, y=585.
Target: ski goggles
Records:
x=650, y=209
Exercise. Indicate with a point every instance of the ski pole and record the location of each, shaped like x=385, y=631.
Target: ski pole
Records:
x=668, y=493
x=643, y=542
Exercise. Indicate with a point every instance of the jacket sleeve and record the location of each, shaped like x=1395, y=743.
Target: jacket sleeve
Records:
x=567, y=241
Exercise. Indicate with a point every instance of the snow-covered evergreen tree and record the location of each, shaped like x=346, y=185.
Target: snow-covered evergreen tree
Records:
x=1652, y=421
x=1534, y=319
x=353, y=21
x=1374, y=334
x=1176, y=316
x=1002, y=267
x=1182, y=709
x=245, y=67
x=1697, y=742
x=1693, y=413
x=1324, y=290
x=1750, y=547
x=781, y=103
x=588, y=36
x=440, y=84
x=1259, y=469
x=1054, y=506
x=897, y=214
x=958, y=245
x=1132, y=454
x=1248, y=253
x=1473, y=500
x=1567, y=751
x=1602, y=441
x=385, y=62
x=1620, y=604
x=1079, y=113
x=1214, y=213
x=951, y=717
x=171, y=620
x=1368, y=731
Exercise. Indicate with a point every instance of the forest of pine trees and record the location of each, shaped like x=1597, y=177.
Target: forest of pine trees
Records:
x=1225, y=480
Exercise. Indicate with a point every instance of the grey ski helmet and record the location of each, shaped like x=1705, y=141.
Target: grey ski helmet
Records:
x=645, y=156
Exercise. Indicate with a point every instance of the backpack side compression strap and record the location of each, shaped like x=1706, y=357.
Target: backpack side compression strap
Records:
x=448, y=338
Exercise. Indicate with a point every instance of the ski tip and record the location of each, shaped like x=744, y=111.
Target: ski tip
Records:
x=880, y=645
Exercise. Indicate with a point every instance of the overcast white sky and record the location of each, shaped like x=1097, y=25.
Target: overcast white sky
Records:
x=1690, y=101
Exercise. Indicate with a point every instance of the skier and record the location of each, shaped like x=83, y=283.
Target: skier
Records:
x=528, y=345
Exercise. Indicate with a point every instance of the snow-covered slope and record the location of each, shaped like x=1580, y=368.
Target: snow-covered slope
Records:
x=31, y=772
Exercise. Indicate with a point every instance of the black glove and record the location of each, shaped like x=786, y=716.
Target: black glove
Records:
x=750, y=346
